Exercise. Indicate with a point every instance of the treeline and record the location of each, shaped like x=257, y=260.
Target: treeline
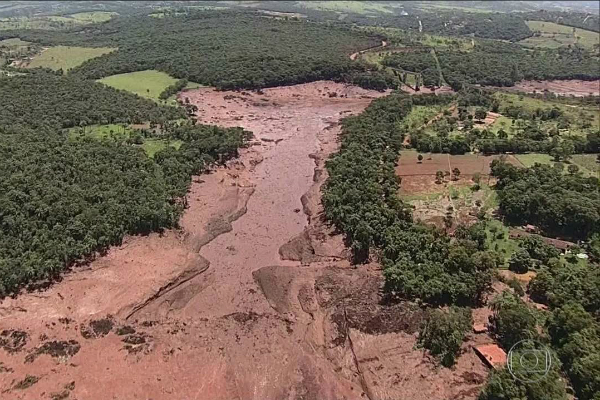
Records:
x=560, y=204
x=504, y=64
x=63, y=200
x=173, y=89
x=420, y=60
x=46, y=100
x=360, y=198
x=228, y=50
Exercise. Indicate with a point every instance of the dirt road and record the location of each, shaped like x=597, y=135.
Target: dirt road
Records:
x=252, y=299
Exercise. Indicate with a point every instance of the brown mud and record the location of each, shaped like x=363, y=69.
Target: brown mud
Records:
x=253, y=298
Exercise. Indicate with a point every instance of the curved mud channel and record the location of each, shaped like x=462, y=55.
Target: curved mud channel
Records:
x=253, y=298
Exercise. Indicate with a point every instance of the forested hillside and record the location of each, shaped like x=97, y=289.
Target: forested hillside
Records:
x=504, y=64
x=223, y=49
x=61, y=200
x=43, y=99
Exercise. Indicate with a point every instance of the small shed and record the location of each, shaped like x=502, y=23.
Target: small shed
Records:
x=491, y=354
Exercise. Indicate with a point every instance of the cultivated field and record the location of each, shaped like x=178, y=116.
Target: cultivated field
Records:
x=149, y=84
x=553, y=35
x=468, y=164
x=55, y=21
x=66, y=57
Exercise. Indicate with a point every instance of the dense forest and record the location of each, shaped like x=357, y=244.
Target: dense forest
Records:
x=43, y=99
x=565, y=204
x=504, y=64
x=61, y=200
x=223, y=49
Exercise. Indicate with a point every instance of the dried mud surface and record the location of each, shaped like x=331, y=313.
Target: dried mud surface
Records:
x=253, y=298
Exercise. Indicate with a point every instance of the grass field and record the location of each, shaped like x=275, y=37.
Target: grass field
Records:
x=149, y=84
x=14, y=43
x=55, y=21
x=357, y=7
x=554, y=35
x=578, y=114
x=66, y=57
x=586, y=162
x=92, y=17
x=123, y=132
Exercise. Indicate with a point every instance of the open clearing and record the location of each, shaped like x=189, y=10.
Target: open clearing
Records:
x=573, y=87
x=587, y=163
x=55, y=21
x=347, y=6
x=432, y=201
x=123, y=132
x=92, y=17
x=468, y=164
x=149, y=84
x=66, y=57
x=252, y=296
x=553, y=35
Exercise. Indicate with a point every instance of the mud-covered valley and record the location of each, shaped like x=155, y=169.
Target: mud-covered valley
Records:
x=253, y=298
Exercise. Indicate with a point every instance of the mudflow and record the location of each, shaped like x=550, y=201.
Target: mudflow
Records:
x=253, y=298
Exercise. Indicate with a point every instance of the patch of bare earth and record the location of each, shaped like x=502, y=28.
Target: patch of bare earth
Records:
x=575, y=88
x=253, y=298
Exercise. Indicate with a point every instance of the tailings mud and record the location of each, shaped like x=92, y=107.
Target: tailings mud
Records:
x=253, y=298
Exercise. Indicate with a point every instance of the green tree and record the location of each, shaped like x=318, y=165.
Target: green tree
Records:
x=520, y=262
x=443, y=333
x=501, y=385
x=439, y=177
x=511, y=321
x=455, y=173
x=573, y=169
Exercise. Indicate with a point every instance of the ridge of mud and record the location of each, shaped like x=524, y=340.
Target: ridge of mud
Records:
x=215, y=227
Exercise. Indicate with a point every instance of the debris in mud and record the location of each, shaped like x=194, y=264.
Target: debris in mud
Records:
x=125, y=330
x=4, y=369
x=27, y=382
x=134, y=339
x=13, y=340
x=60, y=395
x=136, y=343
x=97, y=328
x=472, y=378
x=242, y=317
x=298, y=248
x=56, y=349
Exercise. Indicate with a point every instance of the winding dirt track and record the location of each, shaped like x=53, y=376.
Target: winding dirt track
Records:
x=252, y=299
